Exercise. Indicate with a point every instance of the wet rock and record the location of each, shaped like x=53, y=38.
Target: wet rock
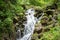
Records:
x=47, y=29
x=49, y=13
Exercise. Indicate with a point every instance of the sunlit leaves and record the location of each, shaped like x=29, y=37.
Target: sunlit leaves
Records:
x=42, y=3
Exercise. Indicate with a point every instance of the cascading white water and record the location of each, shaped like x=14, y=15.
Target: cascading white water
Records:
x=29, y=25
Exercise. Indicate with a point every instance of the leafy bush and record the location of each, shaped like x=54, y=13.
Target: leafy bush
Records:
x=53, y=34
x=42, y=3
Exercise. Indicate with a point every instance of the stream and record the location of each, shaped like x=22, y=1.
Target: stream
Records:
x=29, y=25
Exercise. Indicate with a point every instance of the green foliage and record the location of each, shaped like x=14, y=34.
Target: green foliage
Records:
x=10, y=8
x=42, y=3
x=58, y=4
x=53, y=34
x=23, y=2
x=59, y=18
x=6, y=17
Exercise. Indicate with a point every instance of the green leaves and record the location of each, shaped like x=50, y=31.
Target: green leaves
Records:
x=23, y=2
x=42, y=3
x=52, y=34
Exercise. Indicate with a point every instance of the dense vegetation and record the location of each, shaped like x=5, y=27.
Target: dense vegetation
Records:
x=12, y=17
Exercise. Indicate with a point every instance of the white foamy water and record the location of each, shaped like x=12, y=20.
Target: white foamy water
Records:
x=29, y=25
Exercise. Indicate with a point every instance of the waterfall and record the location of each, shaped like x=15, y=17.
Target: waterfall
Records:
x=29, y=25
